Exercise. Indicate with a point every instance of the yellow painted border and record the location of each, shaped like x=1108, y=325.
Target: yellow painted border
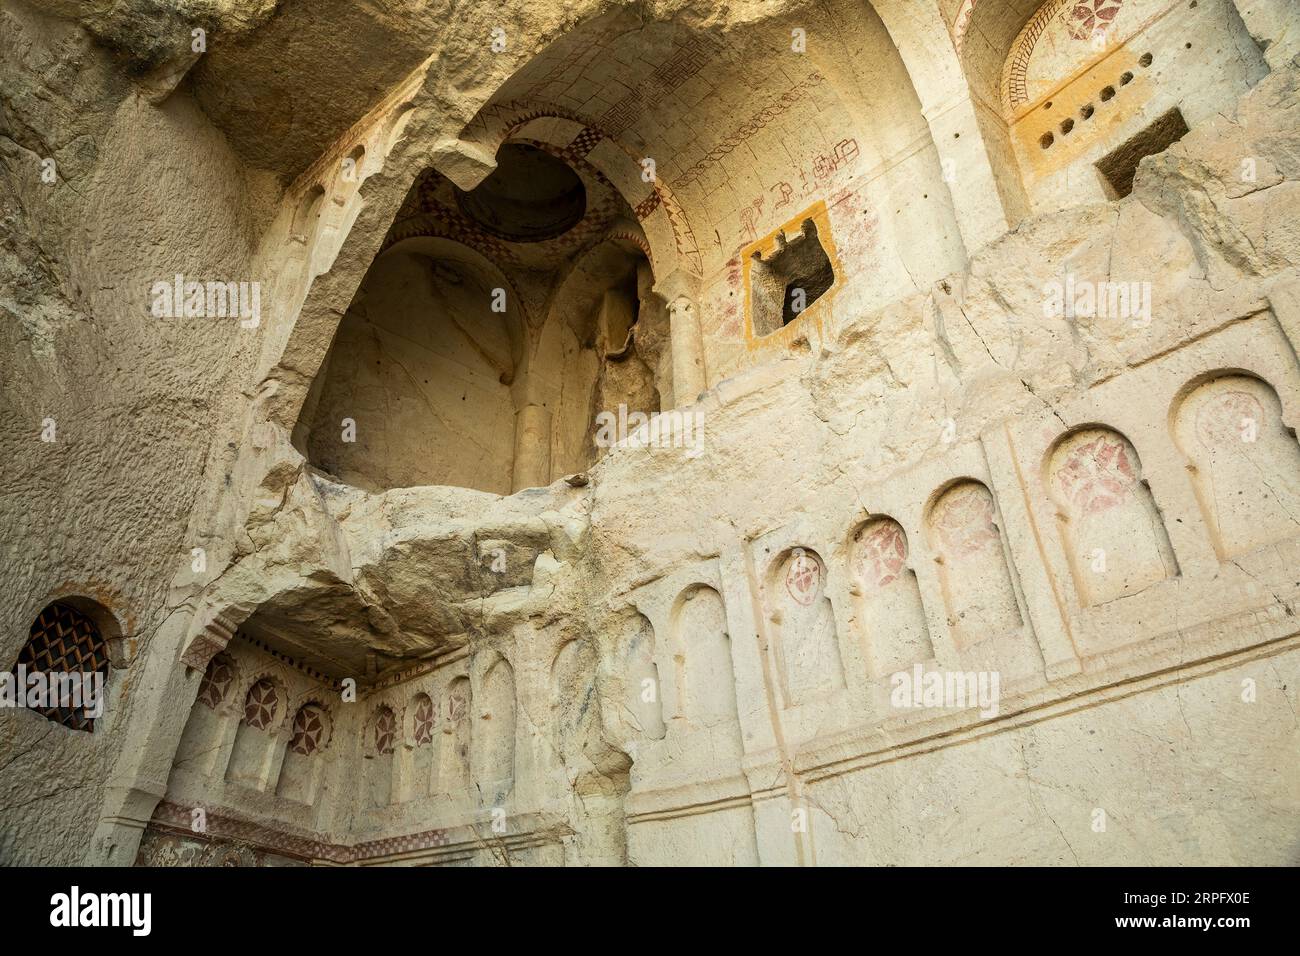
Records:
x=816, y=311
x=1107, y=120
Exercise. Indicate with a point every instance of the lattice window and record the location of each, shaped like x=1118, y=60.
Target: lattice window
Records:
x=64, y=640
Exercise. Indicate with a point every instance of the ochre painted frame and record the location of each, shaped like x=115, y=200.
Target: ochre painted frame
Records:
x=816, y=311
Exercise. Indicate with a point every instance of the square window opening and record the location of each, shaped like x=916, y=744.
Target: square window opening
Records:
x=796, y=275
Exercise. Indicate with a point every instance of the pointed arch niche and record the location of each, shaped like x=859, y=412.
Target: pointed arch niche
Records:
x=706, y=682
x=454, y=742
x=418, y=759
x=977, y=581
x=491, y=327
x=973, y=569
x=253, y=762
x=379, y=744
x=212, y=718
x=494, y=734
x=304, y=761
x=644, y=691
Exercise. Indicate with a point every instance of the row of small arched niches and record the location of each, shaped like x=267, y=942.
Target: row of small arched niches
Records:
x=277, y=736
x=444, y=747
x=482, y=712
x=263, y=697
x=346, y=173
x=266, y=704
x=436, y=737
x=1244, y=462
x=1242, y=458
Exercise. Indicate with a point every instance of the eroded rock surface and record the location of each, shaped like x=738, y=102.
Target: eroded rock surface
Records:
x=625, y=507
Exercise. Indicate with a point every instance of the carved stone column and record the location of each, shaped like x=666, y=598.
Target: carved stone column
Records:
x=972, y=143
x=532, y=448
x=688, y=352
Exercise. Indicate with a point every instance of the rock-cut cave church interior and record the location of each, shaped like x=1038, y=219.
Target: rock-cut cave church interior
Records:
x=855, y=433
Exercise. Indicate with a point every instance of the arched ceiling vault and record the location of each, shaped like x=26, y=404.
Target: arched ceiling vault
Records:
x=744, y=126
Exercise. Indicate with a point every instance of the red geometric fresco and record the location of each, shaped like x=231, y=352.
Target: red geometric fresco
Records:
x=423, y=720
x=1224, y=420
x=882, y=554
x=1098, y=475
x=308, y=730
x=802, y=577
x=457, y=704
x=1087, y=17
x=964, y=520
x=261, y=705
x=385, y=731
x=217, y=680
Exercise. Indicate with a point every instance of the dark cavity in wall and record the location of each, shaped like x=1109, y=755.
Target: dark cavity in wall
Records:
x=1118, y=167
x=529, y=197
x=798, y=273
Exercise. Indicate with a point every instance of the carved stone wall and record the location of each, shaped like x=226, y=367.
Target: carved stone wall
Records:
x=860, y=433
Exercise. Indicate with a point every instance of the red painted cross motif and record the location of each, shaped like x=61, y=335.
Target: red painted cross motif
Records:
x=882, y=554
x=261, y=705
x=424, y=721
x=385, y=731
x=1223, y=419
x=1086, y=17
x=216, y=681
x=1098, y=475
x=802, y=576
x=457, y=706
x=964, y=521
x=308, y=730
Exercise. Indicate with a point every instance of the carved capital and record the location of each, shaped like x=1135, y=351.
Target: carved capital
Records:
x=210, y=635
